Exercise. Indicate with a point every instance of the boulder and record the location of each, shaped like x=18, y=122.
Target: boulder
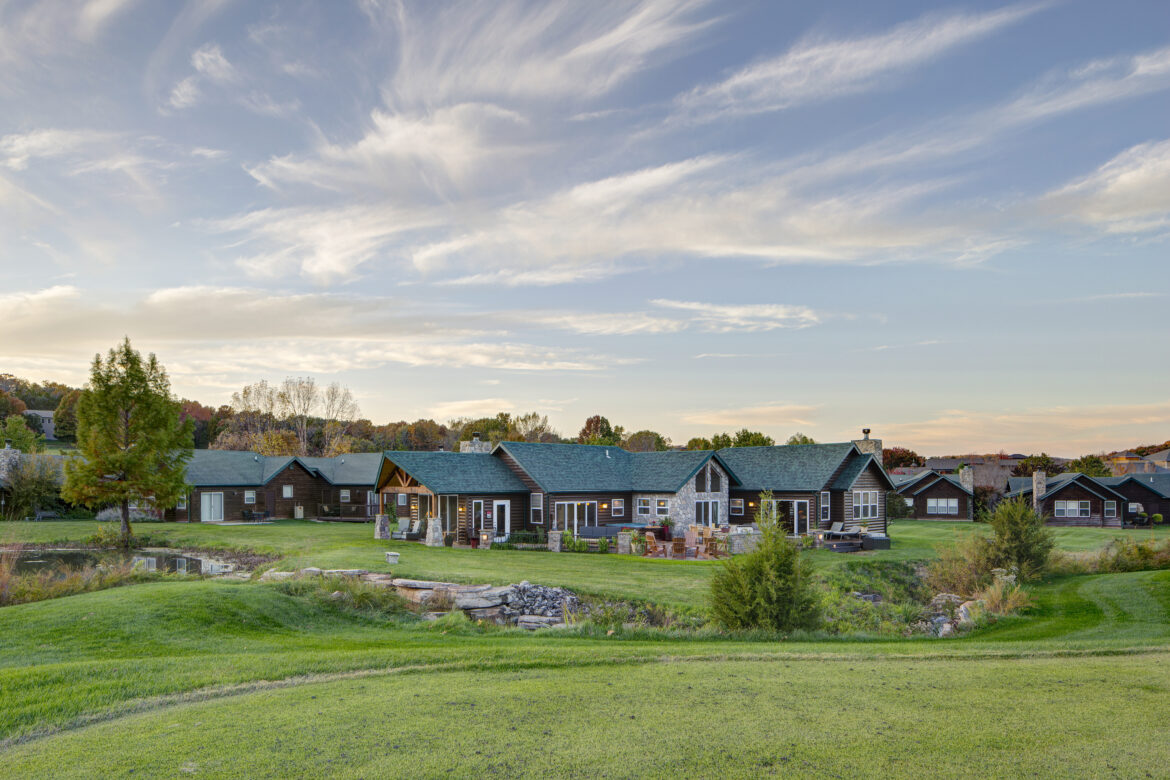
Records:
x=311, y=571
x=416, y=595
x=273, y=575
x=494, y=614
x=428, y=584
x=344, y=572
x=492, y=597
x=533, y=622
x=969, y=611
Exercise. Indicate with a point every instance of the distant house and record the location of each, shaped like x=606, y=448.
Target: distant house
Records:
x=523, y=486
x=229, y=485
x=1071, y=498
x=1147, y=494
x=1159, y=460
x=46, y=418
x=934, y=496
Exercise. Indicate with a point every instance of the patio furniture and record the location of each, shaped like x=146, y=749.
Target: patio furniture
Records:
x=875, y=542
x=843, y=531
x=712, y=548
x=679, y=549
x=413, y=535
x=653, y=548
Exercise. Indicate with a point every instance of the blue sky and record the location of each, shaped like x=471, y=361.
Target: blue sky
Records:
x=947, y=223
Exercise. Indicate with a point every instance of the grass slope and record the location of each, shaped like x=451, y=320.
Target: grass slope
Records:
x=731, y=719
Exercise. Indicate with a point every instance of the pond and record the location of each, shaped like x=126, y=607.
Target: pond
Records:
x=31, y=561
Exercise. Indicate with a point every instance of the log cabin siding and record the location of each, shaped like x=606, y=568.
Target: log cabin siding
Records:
x=867, y=480
x=1151, y=501
x=604, y=503
x=942, y=488
x=751, y=513
x=1076, y=492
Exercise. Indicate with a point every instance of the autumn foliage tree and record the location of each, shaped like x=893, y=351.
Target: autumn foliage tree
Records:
x=901, y=457
x=134, y=447
x=597, y=430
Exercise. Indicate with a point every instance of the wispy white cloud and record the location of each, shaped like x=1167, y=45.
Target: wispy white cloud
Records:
x=819, y=69
x=18, y=149
x=1128, y=194
x=744, y=317
x=450, y=410
x=513, y=49
x=769, y=415
x=209, y=61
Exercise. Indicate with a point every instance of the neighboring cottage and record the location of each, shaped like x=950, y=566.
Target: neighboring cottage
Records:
x=229, y=485
x=46, y=418
x=1147, y=494
x=1071, y=499
x=934, y=496
x=524, y=486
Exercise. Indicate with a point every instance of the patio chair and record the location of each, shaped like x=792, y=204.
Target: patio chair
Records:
x=653, y=548
x=679, y=549
x=712, y=548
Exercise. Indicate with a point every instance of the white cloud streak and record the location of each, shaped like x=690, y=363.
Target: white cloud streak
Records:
x=819, y=69
x=1128, y=194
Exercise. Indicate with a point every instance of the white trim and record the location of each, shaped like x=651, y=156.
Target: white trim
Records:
x=249, y=496
x=507, y=506
x=475, y=523
x=286, y=491
x=642, y=506
x=579, y=512
x=736, y=504
x=826, y=506
x=661, y=507
x=617, y=507
x=1111, y=509
x=344, y=497
x=403, y=499
x=205, y=505
x=867, y=502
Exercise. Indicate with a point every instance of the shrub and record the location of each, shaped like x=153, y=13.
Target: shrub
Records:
x=603, y=545
x=1156, y=519
x=113, y=514
x=1022, y=542
x=769, y=588
x=347, y=593
x=896, y=506
x=1003, y=598
x=964, y=567
x=1127, y=555
x=109, y=536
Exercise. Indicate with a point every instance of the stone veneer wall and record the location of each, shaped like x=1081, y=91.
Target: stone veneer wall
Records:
x=682, y=503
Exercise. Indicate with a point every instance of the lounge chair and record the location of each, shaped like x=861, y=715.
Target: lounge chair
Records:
x=679, y=549
x=653, y=548
x=413, y=535
x=843, y=531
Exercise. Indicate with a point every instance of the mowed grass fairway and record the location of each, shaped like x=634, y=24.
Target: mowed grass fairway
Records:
x=206, y=678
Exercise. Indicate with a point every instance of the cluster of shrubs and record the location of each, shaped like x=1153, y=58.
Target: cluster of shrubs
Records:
x=59, y=581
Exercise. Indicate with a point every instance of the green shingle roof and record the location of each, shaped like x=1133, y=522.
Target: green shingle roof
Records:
x=354, y=468
x=793, y=467
x=1159, y=483
x=592, y=468
x=1018, y=486
x=457, y=472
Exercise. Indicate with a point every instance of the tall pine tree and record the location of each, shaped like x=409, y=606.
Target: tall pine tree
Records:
x=134, y=447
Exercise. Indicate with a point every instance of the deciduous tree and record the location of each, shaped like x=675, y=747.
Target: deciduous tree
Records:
x=597, y=430
x=20, y=436
x=800, y=438
x=746, y=438
x=1090, y=466
x=901, y=457
x=646, y=441
x=65, y=417
x=1042, y=462
x=134, y=448
x=34, y=482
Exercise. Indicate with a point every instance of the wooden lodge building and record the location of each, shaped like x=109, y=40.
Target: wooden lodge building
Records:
x=232, y=486
x=525, y=486
x=1072, y=499
x=934, y=496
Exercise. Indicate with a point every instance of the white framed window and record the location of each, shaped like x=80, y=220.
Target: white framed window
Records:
x=536, y=503
x=1135, y=508
x=1058, y=509
x=344, y=497
x=662, y=507
x=826, y=503
x=286, y=491
x=942, y=506
x=618, y=507
x=643, y=507
x=865, y=504
x=737, y=506
x=1111, y=509
x=403, y=499
x=182, y=503
x=249, y=496
x=1084, y=508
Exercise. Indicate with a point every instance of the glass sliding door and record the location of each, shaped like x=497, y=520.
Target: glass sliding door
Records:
x=574, y=515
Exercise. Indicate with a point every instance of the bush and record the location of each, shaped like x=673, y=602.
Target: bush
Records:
x=1022, y=542
x=110, y=537
x=769, y=588
x=1003, y=598
x=347, y=593
x=964, y=567
x=1156, y=519
x=1127, y=555
x=113, y=514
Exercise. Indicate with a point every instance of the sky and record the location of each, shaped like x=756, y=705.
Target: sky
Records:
x=948, y=222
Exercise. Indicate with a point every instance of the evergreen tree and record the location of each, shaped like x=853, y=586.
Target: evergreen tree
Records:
x=134, y=447
x=20, y=437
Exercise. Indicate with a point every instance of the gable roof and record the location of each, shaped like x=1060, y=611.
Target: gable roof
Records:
x=1098, y=486
x=1160, y=456
x=855, y=468
x=667, y=472
x=456, y=472
x=926, y=480
x=788, y=467
x=1157, y=483
x=353, y=468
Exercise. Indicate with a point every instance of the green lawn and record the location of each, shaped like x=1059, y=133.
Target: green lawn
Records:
x=218, y=678
x=679, y=584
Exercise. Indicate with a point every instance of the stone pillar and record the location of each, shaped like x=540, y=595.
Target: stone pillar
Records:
x=382, y=526
x=434, y=533
x=967, y=480
x=1039, y=487
x=625, y=543
x=554, y=540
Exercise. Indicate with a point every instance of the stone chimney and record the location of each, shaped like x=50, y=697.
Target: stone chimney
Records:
x=967, y=478
x=1039, y=486
x=476, y=445
x=869, y=446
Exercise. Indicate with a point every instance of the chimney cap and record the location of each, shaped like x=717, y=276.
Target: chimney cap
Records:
x=866, y=432
x=475, y=436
